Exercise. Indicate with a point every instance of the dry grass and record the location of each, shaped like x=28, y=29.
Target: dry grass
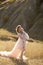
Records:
x=34, y=50
x=6, y=33
x=9, y=1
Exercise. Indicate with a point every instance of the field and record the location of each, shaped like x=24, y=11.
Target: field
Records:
x=34, y=49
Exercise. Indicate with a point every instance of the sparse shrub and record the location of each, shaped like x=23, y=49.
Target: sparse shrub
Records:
x=5, y=18
x=10, y=1
x=2, y=0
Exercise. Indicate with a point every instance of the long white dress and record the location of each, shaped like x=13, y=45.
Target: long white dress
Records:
x=19, y=46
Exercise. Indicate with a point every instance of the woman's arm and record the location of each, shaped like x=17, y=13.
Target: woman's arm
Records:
x=26, y=36
x=20, y=35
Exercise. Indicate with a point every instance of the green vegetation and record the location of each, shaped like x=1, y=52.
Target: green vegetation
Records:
x=10, y=1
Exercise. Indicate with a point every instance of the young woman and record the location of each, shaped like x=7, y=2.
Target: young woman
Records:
x=19, y=48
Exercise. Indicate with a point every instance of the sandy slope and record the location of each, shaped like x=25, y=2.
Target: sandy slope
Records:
x=34, y=50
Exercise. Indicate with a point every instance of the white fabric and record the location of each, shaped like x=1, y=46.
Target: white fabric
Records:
x=19, y=46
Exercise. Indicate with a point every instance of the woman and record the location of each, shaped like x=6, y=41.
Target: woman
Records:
x=19, y=48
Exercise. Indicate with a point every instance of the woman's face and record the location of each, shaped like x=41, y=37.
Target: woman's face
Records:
x=20, y=29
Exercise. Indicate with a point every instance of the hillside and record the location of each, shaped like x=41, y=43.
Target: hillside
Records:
x=36, y=31
x=28, y=13
x=7, y=42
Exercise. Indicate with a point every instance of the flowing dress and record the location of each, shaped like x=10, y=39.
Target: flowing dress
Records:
x=18, y=47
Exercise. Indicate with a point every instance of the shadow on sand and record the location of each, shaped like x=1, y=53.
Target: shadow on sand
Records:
x=18, y=62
